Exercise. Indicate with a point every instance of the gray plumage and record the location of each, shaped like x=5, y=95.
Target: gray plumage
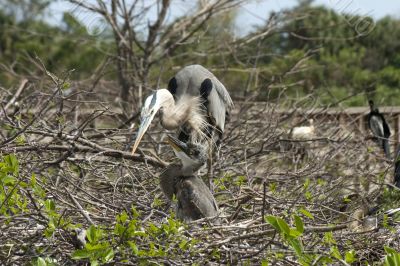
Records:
x=169, y=179
x=189, y=81
x=194, y=199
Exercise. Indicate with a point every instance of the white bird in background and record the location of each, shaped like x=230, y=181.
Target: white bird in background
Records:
x=303, y=132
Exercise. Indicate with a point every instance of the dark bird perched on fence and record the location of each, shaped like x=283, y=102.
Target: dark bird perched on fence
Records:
x=194, y=199
x=379, y=128
x=196, y=103
x=397, y=168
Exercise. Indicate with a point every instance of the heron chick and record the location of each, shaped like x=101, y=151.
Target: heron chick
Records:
x=196, y=103
x=194, y=199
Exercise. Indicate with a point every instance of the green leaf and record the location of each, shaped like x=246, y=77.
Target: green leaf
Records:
x=308, y=195
x=12, y=163
x=335, y=253
x=119, y=229
x=96, y=247
x=80, y=254
x=272, y=187
x=294, y=233
x=306, y=213
x=392, y=258
x=389, y=250
x=349, y=256
x=33, y=180
x=264, y=262
x=122, y=217
x=134, y=248
x=140, y=233
x=91, y=234
x=272, y=220
x=389, y=261
x=283, y=225
x=397, y=259
x=296, y=245
x=307, y=183
x=94, y=262
x=135, y=213
x=109, y=255
x=8, y=180
x=183, y=244
x=50, y=206
x=299, y=223
x=328, y=238
x=41, y=262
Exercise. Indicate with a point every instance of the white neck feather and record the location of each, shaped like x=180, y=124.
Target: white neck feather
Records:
x=185, y=110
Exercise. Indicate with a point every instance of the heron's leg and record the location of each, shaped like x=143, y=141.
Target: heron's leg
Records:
x=218, y=147
x=210, y=167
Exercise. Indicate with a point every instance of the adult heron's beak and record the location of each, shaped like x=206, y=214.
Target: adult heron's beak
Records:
x=178, y=145
x=144, y=125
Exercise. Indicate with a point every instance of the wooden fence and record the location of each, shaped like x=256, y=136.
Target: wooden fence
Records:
x=356, y=117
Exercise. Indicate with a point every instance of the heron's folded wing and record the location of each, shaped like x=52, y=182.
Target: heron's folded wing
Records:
x=219, y=100
x=376, y=125
x=386, y=129
x=188, y=81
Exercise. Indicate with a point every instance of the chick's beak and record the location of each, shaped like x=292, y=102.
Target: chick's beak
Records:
x=178, y=145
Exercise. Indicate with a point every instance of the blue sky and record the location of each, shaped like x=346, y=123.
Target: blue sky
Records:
x=255, y=12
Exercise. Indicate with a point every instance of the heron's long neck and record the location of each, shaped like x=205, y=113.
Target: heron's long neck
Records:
x=174, y=115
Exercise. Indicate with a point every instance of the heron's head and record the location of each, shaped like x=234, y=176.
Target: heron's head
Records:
x=151, y=106
x=372, y=106
x=371, y=103
x=192, y=155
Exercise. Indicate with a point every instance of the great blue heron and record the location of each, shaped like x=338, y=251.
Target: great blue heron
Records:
x=379, y=128
x=196, y=103
x=194, y=199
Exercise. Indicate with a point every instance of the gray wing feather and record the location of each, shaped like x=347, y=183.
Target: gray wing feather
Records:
x=377, y=128
x=219, y=87
x=189, y=80
x=376, y=125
